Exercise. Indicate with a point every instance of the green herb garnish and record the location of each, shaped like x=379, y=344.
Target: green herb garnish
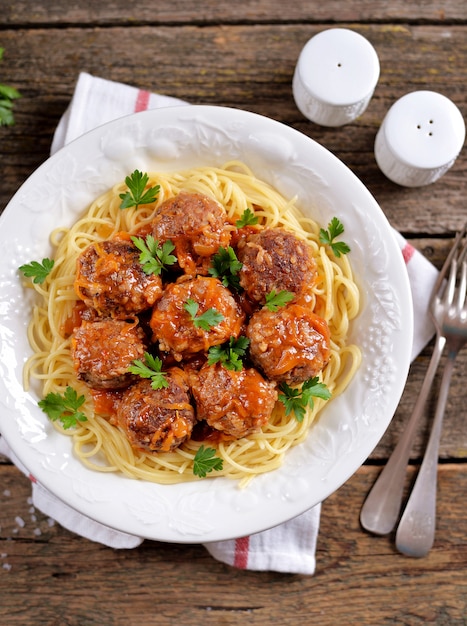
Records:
x=275, y=299
x=248, y=218
x=327, y=237
x=226, y=266
x=64, y=408
x=7, y=95
x=37, y=271
x=138, y=194
x=206, y=461
x=154, y=258
x=151, y=368
x=229, y=354
x=296, y=400
x=206, y=320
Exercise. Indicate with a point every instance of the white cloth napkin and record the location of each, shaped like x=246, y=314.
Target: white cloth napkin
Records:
x=291, y=546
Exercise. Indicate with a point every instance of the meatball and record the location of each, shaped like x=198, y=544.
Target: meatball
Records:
x=110, y=278
x=178, y=331
x=289, y=345
x=197, y=226
x=274, y=259
x=235, y=403
x=157, y=420
x=103, y=351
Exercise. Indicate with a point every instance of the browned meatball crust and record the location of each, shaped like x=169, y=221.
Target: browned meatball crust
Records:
x=197, y=226
x=157, y=420
x=103, y=351
x=274, y=259
x=235, y=403
x=289, y=345
x=110, y=278
x=174, y=328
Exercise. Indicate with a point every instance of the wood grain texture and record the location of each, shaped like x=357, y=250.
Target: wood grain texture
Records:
x=45, y=12
x=243, y=55
x=58, y=578
x=249, y=67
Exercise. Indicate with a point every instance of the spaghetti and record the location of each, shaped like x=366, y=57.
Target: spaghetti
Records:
x=102, y=446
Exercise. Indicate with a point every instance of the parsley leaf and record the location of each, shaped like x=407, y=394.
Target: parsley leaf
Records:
x=335, y=228
x=229, y=354
x=206, y=320
x=205, y=461
x=154, y=258
x=274, y=299
x=37, y=271
x=248, y=218
x=64, y=408
x=138, y=193
x=7, y=95
x=226, y=266
x=297, y=399
x=151, y=368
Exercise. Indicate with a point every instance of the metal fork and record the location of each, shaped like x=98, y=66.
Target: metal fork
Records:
x=380, y=511
x=416, y=531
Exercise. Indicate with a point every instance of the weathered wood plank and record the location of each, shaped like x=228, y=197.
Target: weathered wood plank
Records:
x=454, y=437
x=248, y=67
x=243, y=54
x=59, y=578
x=119, y=12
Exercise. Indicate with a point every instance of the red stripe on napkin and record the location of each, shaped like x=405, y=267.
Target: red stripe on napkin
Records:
x=241, y=552
x=408, y=252
x=142, y=100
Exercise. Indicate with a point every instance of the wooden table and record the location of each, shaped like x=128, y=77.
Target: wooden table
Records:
x=243, y=54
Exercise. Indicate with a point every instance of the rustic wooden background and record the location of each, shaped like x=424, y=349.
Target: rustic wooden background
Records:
x=243, y=54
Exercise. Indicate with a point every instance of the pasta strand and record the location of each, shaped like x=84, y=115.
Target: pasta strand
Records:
x=101, y=445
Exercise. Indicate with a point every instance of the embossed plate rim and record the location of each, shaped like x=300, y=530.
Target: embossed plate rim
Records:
x=350, y=426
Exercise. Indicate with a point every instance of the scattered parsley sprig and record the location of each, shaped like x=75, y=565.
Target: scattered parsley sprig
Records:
x=248, y=218
x=154, y=258
x=226, y=266
x=37, y=271
x=206, y=461
x=327, y=237
x=275, y=299
x=138, y=194
x=206, y=320
x=296, y=400
x=151, y=368
x=229, y=354
x=64, y=407
x=7, y=95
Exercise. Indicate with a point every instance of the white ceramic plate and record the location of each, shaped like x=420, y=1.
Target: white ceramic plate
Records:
x=350, y=426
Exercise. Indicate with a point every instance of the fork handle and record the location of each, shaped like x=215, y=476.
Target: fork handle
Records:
x=380, y=511
x=416, y=531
